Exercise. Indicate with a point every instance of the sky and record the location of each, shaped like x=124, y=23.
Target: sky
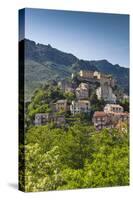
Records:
x=89, y=36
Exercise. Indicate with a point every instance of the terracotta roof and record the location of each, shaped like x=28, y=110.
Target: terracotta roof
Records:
x=99, y=114
x=121, y=113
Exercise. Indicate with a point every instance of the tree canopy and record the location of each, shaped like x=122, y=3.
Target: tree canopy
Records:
x=76, y=157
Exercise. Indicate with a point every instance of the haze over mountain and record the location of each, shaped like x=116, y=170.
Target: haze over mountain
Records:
x=43, y=63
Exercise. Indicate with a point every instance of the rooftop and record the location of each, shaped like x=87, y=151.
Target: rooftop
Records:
x=114, y=105
x=62, y=101
x=120, y=113
x=99, y=114
x=83, y=101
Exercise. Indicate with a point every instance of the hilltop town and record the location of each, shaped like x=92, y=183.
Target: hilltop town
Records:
x=79, y=95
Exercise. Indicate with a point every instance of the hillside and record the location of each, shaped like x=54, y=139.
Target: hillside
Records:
x=43, y=63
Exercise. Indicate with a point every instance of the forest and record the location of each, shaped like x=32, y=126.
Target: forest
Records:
x=77, y=157
x=74, y=156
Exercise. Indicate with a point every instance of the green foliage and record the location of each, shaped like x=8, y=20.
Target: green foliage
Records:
x=42, y=171
x=96, y=105
x=42, y=99
x=69, y=96
x=74, y=157
x=125, y=104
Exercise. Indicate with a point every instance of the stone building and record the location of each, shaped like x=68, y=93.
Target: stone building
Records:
x=105, y=92
x=110, y=117
x=119, y=117
x=80, y=106
x=109, y=108
x=82, y=91
x=44, y=118
x=86, y=74
x=61, y=106
x=104, y=78
x=101, y=120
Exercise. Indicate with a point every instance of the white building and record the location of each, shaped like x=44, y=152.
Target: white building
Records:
x=116, y=113
x=82, y=91
x=109, y=108
x=80, y=106
x=97, y=75
x=61, y=105
x=105, y=92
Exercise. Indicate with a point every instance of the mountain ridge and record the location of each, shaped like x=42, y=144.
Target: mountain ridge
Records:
x=43, y=63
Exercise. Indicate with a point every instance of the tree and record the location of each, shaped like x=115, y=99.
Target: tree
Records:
x=42, y=171
x=70, y=96
x=74, y=157
x=125, y=104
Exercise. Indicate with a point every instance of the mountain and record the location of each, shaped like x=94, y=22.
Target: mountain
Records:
x=42, y=53
x=43, y=63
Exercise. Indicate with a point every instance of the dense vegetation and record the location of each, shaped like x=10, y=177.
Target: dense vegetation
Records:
x=76, y=157
x=43, y=98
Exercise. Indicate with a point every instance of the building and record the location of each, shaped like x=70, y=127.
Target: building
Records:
x=101, y=120
x=80, y=106
x=86, y=74
x=104, y=78
x=84, y=85
x=116, y=113
x=61, y=106
x=113, y=108
x=82, y=91
x=97, y=75
x=100, y=75
x=119, y=117
x=44, y=118
x=111, y=116
x=109, y=119
x=105, y=92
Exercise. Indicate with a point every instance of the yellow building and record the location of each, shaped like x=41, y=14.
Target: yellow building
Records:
x=61, y=106
x=86, y=74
